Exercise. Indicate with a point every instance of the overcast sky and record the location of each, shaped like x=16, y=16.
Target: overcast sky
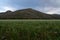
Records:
x=47, y=6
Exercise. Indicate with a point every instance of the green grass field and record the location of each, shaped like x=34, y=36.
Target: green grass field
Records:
x=29, y=30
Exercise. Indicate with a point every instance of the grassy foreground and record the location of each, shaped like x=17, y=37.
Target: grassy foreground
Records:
x=29, y=30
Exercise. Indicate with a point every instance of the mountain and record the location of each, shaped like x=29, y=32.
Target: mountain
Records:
x=26, y=14
x=57, y=16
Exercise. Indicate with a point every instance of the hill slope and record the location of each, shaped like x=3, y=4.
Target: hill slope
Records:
x=25, y=14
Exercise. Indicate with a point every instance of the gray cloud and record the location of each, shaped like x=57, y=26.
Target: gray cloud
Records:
x=47, y=6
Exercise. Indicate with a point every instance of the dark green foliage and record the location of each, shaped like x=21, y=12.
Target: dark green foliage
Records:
x=30, y=30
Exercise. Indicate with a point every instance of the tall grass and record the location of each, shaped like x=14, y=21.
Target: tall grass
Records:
x=29, y=30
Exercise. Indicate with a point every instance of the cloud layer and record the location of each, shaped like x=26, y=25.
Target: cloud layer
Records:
x=47, y=6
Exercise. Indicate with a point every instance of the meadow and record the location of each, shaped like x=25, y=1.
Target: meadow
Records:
x=29, y=30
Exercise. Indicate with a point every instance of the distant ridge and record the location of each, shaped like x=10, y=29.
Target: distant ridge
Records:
x=27, y=14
